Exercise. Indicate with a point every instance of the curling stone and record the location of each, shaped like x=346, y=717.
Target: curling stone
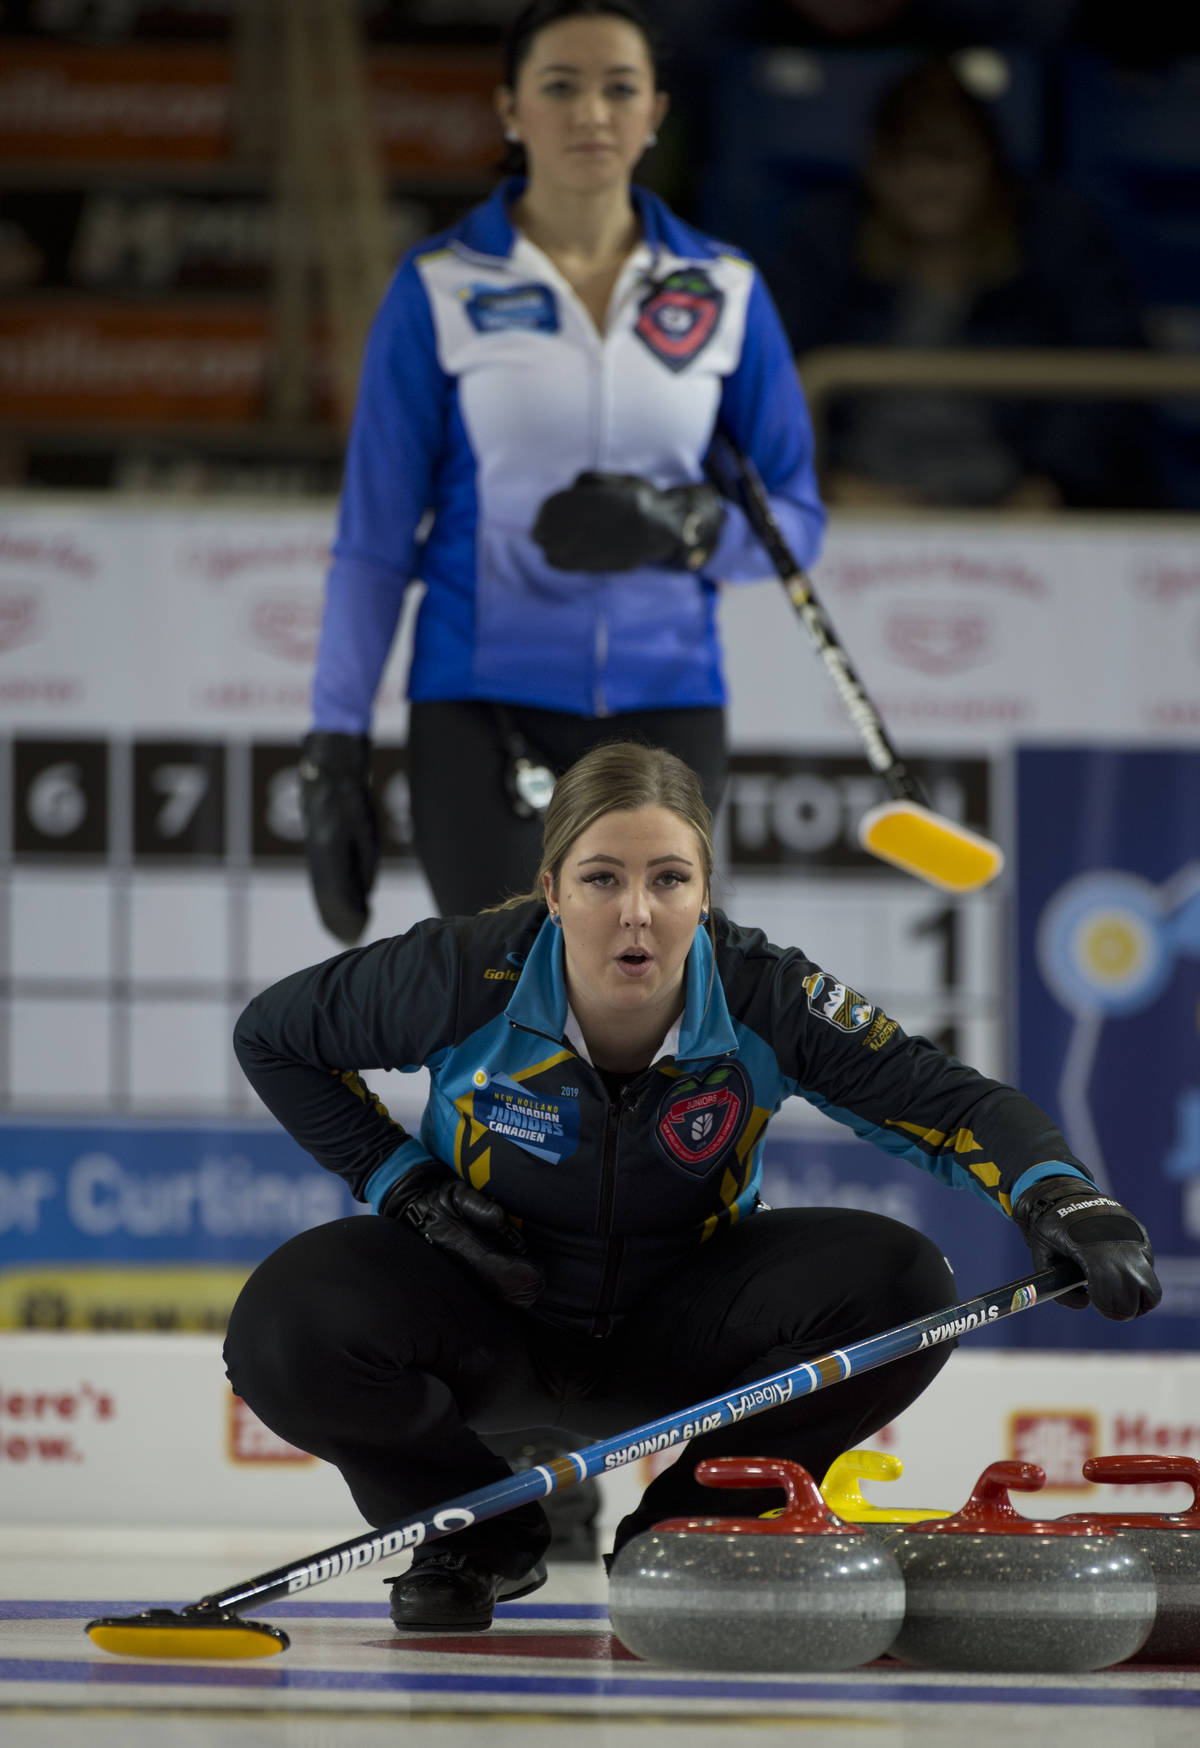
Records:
x=842, y=1494
x=1171, y=1543
x=801, y=1591
x=989, y=1589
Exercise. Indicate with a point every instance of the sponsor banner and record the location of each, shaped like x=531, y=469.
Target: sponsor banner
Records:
x=64, y=102
x=218, y=613
x=147, y=1227
x=435, y=111
x=59, y=1295
x=236, y=582
x=174, y=19
x=143, y=1429
x=1054, y=1410
x=77, y=359
x=958, y=633
x=116, y=239
x=1108, y=993
x=175, y=105
x=153, y=1226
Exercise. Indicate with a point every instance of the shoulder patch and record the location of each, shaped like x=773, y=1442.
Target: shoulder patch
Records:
x=837, y=1003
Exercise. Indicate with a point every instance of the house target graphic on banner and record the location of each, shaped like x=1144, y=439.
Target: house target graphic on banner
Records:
x=1109, y=989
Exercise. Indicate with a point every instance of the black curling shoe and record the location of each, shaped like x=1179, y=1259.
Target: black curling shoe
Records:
x=449, y=1593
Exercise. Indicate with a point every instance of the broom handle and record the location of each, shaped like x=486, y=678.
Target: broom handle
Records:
x=751, y=494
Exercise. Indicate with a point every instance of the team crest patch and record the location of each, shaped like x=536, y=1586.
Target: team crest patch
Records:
x=836, y=1002
x=679, y=315
x=496, y=309
x=702, y=1116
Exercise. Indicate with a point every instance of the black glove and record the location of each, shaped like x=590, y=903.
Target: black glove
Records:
x=619, y=522
x=470, y=1226
x=341, y=829
x=1065, y=1219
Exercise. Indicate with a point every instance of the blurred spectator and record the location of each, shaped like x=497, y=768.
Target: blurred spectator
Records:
x=939, y=246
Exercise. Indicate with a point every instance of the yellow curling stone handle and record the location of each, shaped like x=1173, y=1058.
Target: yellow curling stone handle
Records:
x=842, y=1494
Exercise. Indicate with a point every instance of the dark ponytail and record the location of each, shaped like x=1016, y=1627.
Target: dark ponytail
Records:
x=534, y=17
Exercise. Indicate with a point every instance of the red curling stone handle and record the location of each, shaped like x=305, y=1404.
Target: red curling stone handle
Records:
x=1149, y=1470
x=805, y=1513
x=989, y=1511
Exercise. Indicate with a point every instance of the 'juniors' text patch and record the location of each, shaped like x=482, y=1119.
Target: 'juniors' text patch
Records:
x=702, y=1116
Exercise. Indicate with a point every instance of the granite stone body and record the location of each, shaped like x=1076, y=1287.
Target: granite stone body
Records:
x=1174, y=1559
x=1022, y=1603
x=721, y=1601
x=1170, y=1542
x=800, y=1591
x=989, y=1589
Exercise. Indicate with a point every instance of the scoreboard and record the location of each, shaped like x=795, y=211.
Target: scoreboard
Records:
x=152, y=885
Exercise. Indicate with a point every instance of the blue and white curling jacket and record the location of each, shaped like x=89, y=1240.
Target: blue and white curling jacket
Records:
x=610, y=1193
x=485, y=388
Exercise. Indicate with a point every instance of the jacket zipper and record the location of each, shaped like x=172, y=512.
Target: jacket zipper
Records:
x=626, y=1106
x=596, y=344
x=614, y=1247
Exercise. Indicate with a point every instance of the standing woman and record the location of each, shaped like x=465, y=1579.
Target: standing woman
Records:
x=575, y=1238
x=538, y=398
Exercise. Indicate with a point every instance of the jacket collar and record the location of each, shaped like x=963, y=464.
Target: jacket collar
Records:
x=539, y=1002
x=488, y=229
x=705, y=1028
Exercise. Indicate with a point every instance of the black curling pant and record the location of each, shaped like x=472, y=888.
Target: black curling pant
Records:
x=365, y=1345
x=471, y=845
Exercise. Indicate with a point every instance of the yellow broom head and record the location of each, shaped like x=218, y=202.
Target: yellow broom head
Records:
x=165, y=1633
x=930, y=846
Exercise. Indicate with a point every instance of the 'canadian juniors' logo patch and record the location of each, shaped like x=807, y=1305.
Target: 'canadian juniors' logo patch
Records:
x=679, y=315
x=702, y=1116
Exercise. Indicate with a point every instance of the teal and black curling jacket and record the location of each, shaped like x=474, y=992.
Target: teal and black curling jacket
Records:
x=611, y=1192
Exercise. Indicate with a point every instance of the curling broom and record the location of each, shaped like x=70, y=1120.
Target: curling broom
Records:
x=904, y=831
x=212, y=1627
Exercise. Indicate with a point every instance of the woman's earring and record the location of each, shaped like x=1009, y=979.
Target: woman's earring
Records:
x=703, y=918
x=651, y=140
x=556, y=919
x=511, y=135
